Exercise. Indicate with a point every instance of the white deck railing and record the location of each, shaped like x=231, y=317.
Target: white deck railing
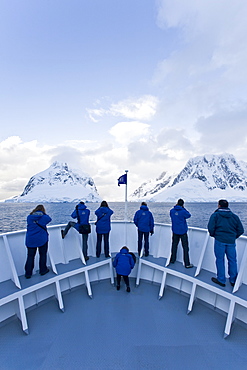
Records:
x=65, y=274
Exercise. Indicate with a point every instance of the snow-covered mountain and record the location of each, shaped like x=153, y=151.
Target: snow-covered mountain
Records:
x=203, y=179
x=59, y=183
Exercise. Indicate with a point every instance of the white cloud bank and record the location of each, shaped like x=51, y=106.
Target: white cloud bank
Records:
x=145, y=156
x=206, y=74
x=142, y=108
x=126, y=132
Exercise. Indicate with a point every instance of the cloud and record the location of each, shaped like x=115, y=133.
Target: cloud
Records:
x=19, y=161
x=143, y=108
x=13, y=186
x=223, y=131
x=201, y=16
x=169, y=144
x=203, y=79
x=96, y=114
x=21, y=155
x=174, y=139
x=142, y=151
x=67, y=154
x=125, y=132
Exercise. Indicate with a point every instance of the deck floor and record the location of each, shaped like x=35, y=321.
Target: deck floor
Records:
x=120, y=330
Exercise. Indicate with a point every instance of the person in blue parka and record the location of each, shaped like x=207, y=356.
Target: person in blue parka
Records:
x=144, y=222
x=81, y=213
x=179, y=216
x=37, y=237
x=123, y=263
x=103, y=227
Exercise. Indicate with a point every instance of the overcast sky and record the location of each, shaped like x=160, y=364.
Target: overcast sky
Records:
x=111, y=85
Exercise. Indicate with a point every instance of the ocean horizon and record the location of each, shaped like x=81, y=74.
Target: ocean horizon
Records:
x=13, y=215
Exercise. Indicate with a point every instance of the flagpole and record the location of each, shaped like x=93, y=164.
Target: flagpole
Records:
x=123, y=180
x=126, y=208
x=126, y=200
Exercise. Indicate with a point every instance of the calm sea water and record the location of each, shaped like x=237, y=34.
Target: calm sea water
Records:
x=13, y=215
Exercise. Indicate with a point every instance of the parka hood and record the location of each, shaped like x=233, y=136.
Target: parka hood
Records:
x=124, y=250
x=178, y=208
x=36, y=215
x=224, y=212
x=81, y=206
x=144, y=208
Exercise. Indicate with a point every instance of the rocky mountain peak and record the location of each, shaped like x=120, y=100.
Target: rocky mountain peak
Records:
x=203, y=177
x=59, y=183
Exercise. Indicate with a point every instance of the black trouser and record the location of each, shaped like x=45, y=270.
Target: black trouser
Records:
x=106, y=244
x=142, y=234
x=31, y=252
x=185, y=244
x=84, y=236
x=125, y=277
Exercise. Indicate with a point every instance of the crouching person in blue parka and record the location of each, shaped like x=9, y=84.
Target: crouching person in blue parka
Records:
x=123, y=263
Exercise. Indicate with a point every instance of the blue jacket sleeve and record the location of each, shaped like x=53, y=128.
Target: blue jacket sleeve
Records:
x=132, y=262
x=240, y=229
x=115, y=261
x=151, y=222
x=44, y=220
x=186, y=213
x=74, y=214
x=136, y=219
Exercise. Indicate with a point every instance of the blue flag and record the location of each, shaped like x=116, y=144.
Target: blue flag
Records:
x=122, y=179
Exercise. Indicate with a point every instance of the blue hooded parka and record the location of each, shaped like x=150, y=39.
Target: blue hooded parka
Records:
x=103, y=225
x=144, y=220
x=83, y=213
x=178, y=216
x=123, y=262
x=36, y=235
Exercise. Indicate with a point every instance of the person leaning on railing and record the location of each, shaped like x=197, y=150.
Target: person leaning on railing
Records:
x=81, y=213
x=144, y=221
x=225, y=227
x=37, y=237
x=179, y=215
x=103, y=227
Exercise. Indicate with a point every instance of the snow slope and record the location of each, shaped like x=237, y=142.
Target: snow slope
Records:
x=203, y=179
x=59, y=183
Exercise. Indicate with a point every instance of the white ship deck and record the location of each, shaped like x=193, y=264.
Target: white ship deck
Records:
x=120, y=330
x=77, y=319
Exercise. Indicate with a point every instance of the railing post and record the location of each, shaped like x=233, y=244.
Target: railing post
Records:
x=15, y=278
x=199, y=265
x=242, y=267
